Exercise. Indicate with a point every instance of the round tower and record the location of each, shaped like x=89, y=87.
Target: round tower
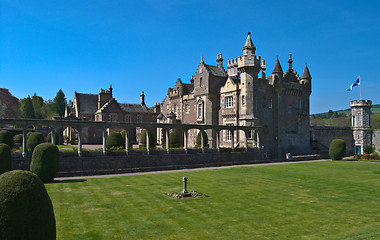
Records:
x=361, y=124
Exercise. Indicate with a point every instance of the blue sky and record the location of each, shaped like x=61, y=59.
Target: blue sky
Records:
x=146, y=45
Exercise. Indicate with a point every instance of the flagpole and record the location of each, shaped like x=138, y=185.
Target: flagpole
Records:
x=360, y=88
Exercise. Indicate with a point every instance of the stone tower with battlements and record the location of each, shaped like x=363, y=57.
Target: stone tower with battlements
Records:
x=361, y=124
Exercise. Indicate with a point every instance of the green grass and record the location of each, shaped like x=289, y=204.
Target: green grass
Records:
x=320, y=200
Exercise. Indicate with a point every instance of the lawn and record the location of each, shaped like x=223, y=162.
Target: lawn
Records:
x=320, y=200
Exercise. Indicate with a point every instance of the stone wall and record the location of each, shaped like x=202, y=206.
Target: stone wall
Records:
x=321, y=138
x=376, y=139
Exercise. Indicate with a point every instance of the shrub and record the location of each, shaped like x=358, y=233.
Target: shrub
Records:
x=337, y=149
x=26, y=211
x=368, y=149
x=173, y=140
x=45, y=161
x=33, y=140
x=5, y=158
x=198, y=140
x=114, y=140
x=152, y=139
x=48, y=138
x=18, y=138
x=7, y=138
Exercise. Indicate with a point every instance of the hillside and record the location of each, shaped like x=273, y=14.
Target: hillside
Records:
x=342, y=118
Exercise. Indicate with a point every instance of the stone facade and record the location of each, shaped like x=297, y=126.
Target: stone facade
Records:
x=361, y=124
x=321, y=138
x=241, y=96
x=103, y=107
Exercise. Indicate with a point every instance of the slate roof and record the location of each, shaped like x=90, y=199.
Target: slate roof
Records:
x=306, y=73
x=248, y=43
x=277, y=67
x=215, y=71
x=87, y=103
x=189, y=87
x=130, y=107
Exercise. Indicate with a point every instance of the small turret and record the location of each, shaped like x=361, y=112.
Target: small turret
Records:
x=248, y=46
x=306, y=74
x=277, y=68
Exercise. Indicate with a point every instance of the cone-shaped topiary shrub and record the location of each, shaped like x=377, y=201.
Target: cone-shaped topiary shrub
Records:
x=33, y=140
x=7, y=138
x=173, y=140
x=337, y=149
x=114, y=140
x=48, y=138
x=18, y=138
x=26, y=211
x=45, y=161
x=152, y=139
x=198, y=140
x=5, y=158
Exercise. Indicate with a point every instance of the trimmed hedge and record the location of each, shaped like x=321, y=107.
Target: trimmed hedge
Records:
x=337, y=149
x=152, y=139
x=7, y=138
x=114, y=139
x=173, y=140
x=26, y=211
x=18, y=138
x=45, y=161
x=198, y=139
x=33, y=140
x=5, y=158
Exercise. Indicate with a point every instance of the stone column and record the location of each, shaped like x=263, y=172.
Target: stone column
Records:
x=202, y=142
x=257, y=139
x=246, y=139
x=52, y=134
x=80, y=141
x=127, y=141
x=185, y=140
x=24, y=149
x=147, y=141
x=217, y=140
x=167, y=139
x=104, y=141
x=232, y=140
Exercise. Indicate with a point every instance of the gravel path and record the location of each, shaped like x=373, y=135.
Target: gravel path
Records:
x=183, y=170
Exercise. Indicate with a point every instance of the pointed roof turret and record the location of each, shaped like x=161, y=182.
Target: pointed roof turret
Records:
x=249, y=44
x=277, y=67
x=306, y=73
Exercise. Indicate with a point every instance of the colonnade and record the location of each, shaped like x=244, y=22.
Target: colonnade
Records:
x=79, y=125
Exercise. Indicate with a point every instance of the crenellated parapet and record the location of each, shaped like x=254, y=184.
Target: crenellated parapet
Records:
x=361, y=103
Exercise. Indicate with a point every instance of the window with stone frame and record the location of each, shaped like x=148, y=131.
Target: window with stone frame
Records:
x=187, y=109
x=229, y=133
x=127, y=118
x=112, y=117
x=200, y=82
x=250, y=134
x=229, y=101
x=175, y=108
x=242, y=100
x=200, y=110
x=139, y=119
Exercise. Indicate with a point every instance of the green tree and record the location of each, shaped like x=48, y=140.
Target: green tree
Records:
x=26, y=108
x=38, y=103
x=48, y=109
x=60, y=103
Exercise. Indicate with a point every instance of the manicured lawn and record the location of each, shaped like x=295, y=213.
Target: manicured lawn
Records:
x=321, y=200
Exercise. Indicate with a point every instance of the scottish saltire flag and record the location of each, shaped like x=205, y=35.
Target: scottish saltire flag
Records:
x=357, y=82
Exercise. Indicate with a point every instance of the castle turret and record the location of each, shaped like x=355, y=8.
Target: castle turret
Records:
x=361, y=124
x=306, y=77
x=249, y=66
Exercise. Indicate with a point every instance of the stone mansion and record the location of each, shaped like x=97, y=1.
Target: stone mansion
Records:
x=244, y=95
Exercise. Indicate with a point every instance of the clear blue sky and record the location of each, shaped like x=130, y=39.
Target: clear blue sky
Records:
x=146, y=45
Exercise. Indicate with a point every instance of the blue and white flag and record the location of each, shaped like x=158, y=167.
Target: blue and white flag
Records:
x=357, y=82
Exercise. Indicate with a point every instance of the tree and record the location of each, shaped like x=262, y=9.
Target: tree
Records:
x=38, y=103
x=48, y=109
x=26, y=108
x=60, y=103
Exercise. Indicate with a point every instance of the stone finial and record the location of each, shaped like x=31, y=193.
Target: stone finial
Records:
x=220, y=55
x=201, y=59
x=217, y=56
x=142, y=98
x=290, y=61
